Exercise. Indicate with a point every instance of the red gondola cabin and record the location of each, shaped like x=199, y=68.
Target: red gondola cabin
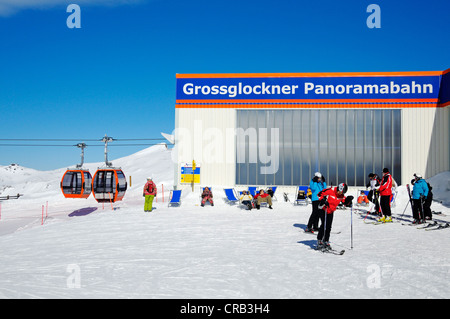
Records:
x=76, y=183
x=109, y=185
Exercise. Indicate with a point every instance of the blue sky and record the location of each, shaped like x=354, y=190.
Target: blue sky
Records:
x=116, y=75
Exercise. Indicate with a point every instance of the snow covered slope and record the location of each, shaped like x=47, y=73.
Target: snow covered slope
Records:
x=85, y=250
x=42, y=187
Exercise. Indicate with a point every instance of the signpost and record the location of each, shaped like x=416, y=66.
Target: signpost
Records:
x=190, y=174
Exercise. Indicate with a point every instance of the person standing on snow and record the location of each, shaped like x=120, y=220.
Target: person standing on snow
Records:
x=150, y=192
x=316, y=185
x=374, y=185
x=419, y=196
x=386, y=196
x=329, y=199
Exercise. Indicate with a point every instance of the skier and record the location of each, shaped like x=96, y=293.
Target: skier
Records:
x=427, y=204
x=150, y=191
x=316, y=185
x=419, y=195
x=329, y=199
x=385, y=196
x=373, y=196
x=207, y=196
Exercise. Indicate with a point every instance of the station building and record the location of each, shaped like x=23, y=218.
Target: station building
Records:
x=279, y=129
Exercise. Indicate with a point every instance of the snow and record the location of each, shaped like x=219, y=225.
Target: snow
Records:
x=204, y=252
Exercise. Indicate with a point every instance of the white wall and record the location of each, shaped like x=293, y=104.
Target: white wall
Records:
x=206, y=135
x=425, y=142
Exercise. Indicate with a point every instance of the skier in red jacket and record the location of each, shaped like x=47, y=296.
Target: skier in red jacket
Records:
x=385, y=196
x=329, y=199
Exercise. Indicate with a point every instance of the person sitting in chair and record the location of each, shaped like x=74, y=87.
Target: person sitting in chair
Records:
x=263, y=197
x=246, y=199
x=362, y=199
x=207, y=196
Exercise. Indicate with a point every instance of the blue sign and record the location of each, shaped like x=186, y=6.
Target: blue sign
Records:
x=309, y=88
x=188, y=170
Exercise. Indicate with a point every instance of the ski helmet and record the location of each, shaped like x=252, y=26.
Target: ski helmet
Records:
x=342, y=187
x=317, y=174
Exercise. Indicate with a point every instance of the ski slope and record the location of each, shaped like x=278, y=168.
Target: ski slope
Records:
x=86, y=250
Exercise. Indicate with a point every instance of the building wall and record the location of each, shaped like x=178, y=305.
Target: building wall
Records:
x=207, y=104
x=206, y=135
x=425, y=142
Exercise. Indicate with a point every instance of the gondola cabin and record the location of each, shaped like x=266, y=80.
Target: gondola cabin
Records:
x=109, y=185
x=76, y=183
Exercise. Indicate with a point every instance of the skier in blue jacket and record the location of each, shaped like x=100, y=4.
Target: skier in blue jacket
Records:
x=316, y=185
x=419, y=195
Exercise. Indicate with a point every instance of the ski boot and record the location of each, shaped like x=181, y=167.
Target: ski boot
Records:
x=388, y=219
x=309, y=230
x=381, y=219
x=320, y=245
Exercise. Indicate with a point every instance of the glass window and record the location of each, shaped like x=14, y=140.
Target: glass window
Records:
x=344, y=145
x=72, y=183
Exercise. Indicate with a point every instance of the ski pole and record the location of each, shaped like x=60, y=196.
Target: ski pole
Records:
x=421, y=212
x=351, y=226
x=407, y=204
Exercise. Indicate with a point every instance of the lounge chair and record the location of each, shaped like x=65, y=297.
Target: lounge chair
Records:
x=301, y=201
x=175, y=197
x=231, y=197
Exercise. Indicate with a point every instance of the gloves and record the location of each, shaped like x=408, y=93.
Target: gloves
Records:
x=348, y=201
x=324, y=203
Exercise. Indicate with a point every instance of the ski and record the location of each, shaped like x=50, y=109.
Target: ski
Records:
x=433, y=224
x=412, y=224
x=438, y=213
x=330, y=251
x=333, y=251
x=380, y=223
x=440, y=226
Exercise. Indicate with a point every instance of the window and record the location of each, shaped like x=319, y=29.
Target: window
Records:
x=344, y=145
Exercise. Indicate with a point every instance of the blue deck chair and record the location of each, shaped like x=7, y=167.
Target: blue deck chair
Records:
x=301, y=201
x=175, y=197
x=252, y=190
x=231, y=197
